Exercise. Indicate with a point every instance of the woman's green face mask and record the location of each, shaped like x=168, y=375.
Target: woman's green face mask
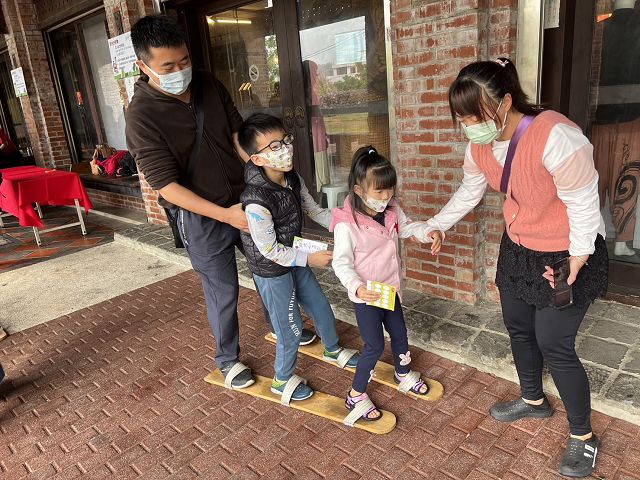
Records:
x=484, y=132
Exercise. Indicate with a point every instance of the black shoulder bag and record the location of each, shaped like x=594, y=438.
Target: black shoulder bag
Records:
x=172, y=217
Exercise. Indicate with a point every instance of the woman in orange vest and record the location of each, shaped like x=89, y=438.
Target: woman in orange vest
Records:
x=544, y=164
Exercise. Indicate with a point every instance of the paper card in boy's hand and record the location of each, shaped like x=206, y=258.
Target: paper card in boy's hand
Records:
x=308, y=246
x=387, y=293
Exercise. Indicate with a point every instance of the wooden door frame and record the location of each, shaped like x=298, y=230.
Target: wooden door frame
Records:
x=567, y=62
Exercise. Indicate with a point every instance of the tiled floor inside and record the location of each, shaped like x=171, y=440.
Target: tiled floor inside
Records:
x=116, y=391
x=18, y=247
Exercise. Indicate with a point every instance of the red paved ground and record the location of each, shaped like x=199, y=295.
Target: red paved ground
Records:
x=116, y=391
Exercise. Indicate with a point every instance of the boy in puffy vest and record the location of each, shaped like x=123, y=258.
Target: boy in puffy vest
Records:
x=275, y=199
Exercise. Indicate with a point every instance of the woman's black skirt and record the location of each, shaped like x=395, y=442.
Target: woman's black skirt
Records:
x=519, y=273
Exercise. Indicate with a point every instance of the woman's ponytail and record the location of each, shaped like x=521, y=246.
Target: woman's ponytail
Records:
x=487, y=83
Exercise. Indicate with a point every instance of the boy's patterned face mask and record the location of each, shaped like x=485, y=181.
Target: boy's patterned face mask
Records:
x=281, y=159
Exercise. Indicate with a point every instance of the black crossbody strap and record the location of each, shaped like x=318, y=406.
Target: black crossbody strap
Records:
x=199, y=110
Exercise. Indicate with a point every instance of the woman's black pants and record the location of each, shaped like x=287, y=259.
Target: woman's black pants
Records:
x=549, y=334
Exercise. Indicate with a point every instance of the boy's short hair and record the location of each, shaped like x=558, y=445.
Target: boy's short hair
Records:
x=157, y=31
x=256, y=124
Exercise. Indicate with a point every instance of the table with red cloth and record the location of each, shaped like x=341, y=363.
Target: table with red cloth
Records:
x=22, y=187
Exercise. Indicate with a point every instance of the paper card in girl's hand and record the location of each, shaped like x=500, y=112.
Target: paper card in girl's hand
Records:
x=387, y=293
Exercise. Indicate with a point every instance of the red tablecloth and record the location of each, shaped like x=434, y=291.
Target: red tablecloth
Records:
x=23, y=186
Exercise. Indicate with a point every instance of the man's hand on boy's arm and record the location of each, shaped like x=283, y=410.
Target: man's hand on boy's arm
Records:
x=188, y=200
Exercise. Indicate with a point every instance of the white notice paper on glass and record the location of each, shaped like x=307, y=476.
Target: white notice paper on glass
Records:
x=19, y=85
x=551, y=13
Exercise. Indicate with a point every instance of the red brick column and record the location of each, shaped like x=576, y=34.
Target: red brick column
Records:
x=155, y=213
x=40, y=107
x=431, y=42
x=121, y=16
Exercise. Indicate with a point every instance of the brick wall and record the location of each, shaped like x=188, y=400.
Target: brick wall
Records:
x=431, y=41
x=155, y=213
x=99, y=197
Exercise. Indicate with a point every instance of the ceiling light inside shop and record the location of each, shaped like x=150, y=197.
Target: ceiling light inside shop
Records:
x=603, y=17
x=234, y=21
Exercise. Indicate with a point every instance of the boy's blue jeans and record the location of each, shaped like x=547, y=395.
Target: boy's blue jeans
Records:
x=282, y=295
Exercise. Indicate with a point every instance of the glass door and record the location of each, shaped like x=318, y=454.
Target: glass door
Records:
x=11, y=110
x=342, y=54
x=243, y=55
x=318, y=65
x=74, y=89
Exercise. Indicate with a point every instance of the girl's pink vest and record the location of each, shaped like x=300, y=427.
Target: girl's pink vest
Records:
x=536, y=218
x=376, y=255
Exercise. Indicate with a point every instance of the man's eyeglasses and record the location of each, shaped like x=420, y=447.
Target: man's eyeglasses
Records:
x=278, y=144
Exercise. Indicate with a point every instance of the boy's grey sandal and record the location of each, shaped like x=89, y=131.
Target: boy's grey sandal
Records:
x=344, y=356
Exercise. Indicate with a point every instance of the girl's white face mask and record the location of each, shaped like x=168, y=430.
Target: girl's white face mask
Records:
x=376, y=205
x=175, y=83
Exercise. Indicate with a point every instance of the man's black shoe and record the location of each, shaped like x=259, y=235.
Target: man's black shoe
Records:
x=517, y=409
x=242, y=380
x=579, y=459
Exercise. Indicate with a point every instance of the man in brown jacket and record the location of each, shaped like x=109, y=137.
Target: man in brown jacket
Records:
x=161, y=132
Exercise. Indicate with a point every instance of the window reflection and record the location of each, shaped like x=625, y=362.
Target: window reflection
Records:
x=615, y=123
x=343, y=54
x=244, y=57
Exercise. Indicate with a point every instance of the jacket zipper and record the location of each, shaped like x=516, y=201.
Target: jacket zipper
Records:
x=222, y=167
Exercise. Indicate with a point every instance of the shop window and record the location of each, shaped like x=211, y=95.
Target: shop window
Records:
x=88, y=92
x=614, y=127
x=10, y=109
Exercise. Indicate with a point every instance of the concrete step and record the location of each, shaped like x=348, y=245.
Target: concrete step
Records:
x=608, y=341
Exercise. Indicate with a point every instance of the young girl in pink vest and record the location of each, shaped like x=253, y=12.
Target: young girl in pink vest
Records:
x=366, y=232
x=551, y=211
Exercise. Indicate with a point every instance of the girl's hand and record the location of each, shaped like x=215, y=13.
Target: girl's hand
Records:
x=575, y=264
x=436, y=237
x=367, y=295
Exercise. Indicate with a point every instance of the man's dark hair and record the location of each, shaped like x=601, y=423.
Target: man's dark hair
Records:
x=157, y=31
x=257, y=124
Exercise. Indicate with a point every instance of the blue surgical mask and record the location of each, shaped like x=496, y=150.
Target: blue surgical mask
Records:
x=484, y=132
x=175, y=83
